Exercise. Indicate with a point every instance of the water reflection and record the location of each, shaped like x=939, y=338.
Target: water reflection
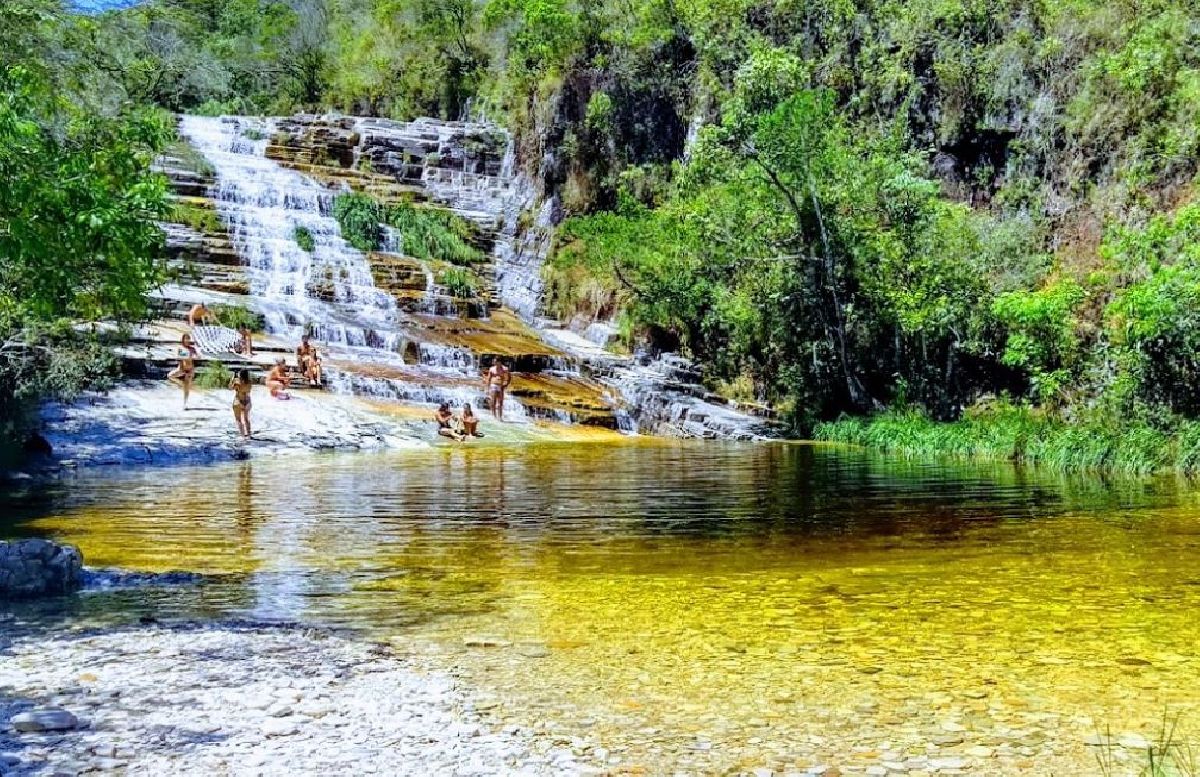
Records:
x=699, y=588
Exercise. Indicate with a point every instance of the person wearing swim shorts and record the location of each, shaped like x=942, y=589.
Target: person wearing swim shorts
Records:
x=495, y=383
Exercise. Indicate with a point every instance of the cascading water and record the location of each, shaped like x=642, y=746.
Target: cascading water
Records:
x=328, y=291
x=368, y=331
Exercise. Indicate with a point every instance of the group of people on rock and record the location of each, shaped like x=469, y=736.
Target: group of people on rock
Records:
x=459, y=427
x=277, y=380
x=465, y=425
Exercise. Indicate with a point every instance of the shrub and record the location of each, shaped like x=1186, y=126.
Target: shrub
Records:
x=457, y=282
x=213, y=375
x=198, y=218
x=304, y=238
x=359, y=216
x=236, y=316
x=434, y=234
x=49, y=363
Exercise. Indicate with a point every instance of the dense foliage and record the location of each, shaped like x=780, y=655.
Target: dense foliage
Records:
x=78, y=238
x=835, y=205
x=425, y=233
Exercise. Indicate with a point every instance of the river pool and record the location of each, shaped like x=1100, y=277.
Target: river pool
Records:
x=703, y=607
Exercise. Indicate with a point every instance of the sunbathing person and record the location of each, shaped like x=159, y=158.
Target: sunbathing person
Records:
x=278, y=380
x=184, y=374
x=470, y=421
x=200, y=315
x=242, y=387
x=445, y=421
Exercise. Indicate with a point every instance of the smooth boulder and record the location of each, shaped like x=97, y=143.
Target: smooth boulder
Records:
x=48, y=719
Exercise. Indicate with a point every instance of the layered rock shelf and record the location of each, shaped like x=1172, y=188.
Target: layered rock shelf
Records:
x=37, y=567
x=388, y=332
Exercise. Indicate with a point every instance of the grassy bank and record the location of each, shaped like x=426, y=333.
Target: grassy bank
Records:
x=1022, y=434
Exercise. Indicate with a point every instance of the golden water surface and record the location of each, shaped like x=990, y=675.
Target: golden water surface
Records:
x=704, y=607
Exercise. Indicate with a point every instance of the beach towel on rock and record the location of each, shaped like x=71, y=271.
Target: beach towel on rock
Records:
x=215, y=339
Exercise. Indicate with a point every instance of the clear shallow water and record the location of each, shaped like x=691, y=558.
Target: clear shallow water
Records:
x=707, y=606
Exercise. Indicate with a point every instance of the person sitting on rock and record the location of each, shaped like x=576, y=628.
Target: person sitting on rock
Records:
x=445, y=421
x=309, y=361
x=470, y=421
x=278, y=380
x=242, y=386
x=200, y=315
x=184, y=374
x=246, y=346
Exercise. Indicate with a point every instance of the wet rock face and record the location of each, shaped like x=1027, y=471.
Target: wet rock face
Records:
x=30, y=568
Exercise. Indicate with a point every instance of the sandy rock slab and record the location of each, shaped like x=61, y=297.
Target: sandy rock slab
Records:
x=241, y=700
x=144, y=423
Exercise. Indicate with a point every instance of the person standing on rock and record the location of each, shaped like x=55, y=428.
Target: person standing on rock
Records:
x=495, y=382
x=242, y=386
x=185, y=373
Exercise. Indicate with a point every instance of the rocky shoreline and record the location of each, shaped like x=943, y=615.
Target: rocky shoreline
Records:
x=244, y=699
x=143, y=423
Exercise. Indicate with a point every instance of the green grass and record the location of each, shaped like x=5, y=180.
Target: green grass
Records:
x=200, y=219
x=458, y=282
x=189, y=158
x=1018, y=433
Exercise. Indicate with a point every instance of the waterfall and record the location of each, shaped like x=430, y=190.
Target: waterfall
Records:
x=330, y=291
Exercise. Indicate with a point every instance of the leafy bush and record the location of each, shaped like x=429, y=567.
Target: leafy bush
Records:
x=48, y=362
x=360, y=217
x=304, y=239
x=430, y=233
x=1041, y=334
x=213, y=375
x=198, y=218
x=236, y=317
x=458, y=282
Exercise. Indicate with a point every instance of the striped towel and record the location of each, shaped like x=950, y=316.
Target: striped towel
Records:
x=215, y=339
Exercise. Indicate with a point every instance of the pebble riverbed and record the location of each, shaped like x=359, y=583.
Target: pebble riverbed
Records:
x=245, y=700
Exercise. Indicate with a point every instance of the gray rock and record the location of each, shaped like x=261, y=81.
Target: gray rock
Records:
x=50, y=719
x=37, y=567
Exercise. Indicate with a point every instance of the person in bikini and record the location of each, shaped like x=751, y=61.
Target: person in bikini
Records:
x=309, y=361
x=242, y=386
x=470, y=422
x=495, y=382
x=184, y=374
x=278, y=380
x=246, y=346
x=445, y=422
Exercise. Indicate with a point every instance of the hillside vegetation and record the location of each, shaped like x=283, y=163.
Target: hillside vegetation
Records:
x=838, y=206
